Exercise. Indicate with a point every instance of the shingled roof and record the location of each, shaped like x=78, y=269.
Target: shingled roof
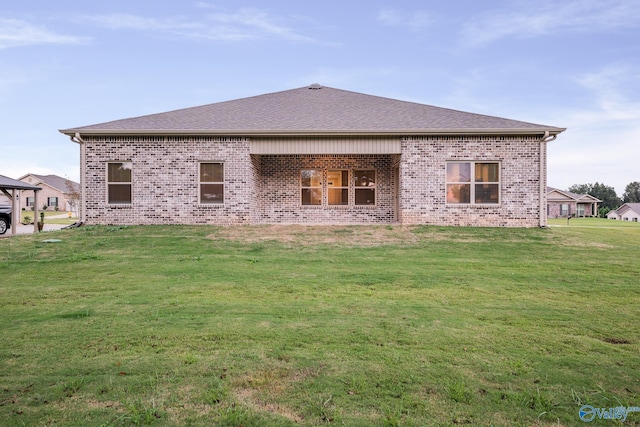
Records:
x=570, y=195
x=59, y=183
x=14, y=184
x=314, y=109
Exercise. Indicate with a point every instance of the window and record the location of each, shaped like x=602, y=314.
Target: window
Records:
x=338, y=187
x=119, y=182
x=365, y=187
x=343, y=187
x=473, y=183
x=311, y=187
x=52, y=202
x=30, y=202
x=211, y=183
x=564, y=209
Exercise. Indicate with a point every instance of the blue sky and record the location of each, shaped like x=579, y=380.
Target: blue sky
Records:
x=565, y=63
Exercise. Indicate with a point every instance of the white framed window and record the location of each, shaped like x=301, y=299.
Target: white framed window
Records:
x=211, y=182
x=30, y=202
x=473, y=183
x=338, y=187
x=564, y=209
x=364, y=182
x=311, y=187
x=343, y=187
x=119, y=183
x=52, y=202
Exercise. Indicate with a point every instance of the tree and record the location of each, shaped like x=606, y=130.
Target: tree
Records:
x=72, y=196
x=607, y=194
x=632, y=192
x=581, y=188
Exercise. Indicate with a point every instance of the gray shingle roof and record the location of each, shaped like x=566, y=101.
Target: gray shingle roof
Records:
x=633, y=206
x=574, y=196
x=59, y=183
x=8, y=183
x=310, y=110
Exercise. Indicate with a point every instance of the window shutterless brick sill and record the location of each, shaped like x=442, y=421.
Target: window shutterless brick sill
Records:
x=338, y=207
x=471, y=205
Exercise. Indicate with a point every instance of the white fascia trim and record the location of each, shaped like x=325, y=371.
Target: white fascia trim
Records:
x=280, y=132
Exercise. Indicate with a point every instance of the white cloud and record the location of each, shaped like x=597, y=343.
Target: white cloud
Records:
x=584, y=155
x=14, y=33
x=256, y=20
x=602, y=142
x=244, y=24
x=119, y=21
x=613, y=88
x=552, y=17
x=414, y=21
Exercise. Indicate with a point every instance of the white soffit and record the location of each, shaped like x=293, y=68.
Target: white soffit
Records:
x=325, y=147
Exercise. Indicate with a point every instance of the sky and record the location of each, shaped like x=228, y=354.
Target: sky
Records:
x=564, y=63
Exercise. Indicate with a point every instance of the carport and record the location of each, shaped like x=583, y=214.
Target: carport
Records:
x=9, y=186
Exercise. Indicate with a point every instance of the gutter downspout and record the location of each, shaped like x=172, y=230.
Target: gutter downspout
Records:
x=543, y=177
x=77, y=138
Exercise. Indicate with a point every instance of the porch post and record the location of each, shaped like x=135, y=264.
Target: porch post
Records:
x=35, y=211
x=15, y=214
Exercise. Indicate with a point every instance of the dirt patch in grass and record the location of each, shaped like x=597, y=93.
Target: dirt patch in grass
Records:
x=249, y=398
x=98, y=404
x=311, y=235
x=265, y=390
x=584, y=243
x=616, y=340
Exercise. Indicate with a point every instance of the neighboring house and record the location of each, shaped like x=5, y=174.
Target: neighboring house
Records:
x=626, y=212
x=11, y=188
x=57, y=193
x=565, y=204
x=314, y=155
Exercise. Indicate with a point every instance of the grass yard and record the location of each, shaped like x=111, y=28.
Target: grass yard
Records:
x=273, y=325
x=50, y=217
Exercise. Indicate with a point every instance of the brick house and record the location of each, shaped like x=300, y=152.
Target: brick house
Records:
x=57, y=193
x=626, y=212
x=565, y=204
x=314, y=155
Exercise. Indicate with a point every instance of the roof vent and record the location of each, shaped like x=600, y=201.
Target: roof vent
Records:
x=315, y=86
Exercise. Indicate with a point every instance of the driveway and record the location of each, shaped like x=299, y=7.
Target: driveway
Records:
x=28, y=229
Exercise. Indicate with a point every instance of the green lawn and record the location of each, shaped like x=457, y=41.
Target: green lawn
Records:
x=266, y=325
x=50, y=217
x=591, y=222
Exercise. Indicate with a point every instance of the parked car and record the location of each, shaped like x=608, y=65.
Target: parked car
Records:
x=5, y=219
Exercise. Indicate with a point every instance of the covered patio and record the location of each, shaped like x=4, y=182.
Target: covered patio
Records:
x=9, y=186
